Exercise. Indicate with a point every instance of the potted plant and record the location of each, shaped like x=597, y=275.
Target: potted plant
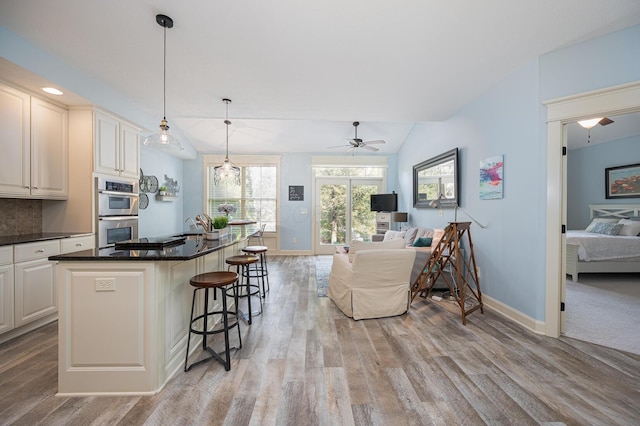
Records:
x=219, y=225
x=163, y=190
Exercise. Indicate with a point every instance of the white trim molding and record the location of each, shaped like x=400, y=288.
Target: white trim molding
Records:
x=507, y=311
x=607, y=102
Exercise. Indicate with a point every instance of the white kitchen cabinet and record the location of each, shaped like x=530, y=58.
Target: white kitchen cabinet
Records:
x=6, y=289
x=73, y=244
x=35, y=294
x=15, y=134
x=49, y=150
x=34, y=160
x=117, y=146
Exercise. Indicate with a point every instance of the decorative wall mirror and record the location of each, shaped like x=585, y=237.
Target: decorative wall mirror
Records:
x=435, y=176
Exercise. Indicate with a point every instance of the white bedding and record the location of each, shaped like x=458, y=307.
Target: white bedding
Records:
x=592, y=246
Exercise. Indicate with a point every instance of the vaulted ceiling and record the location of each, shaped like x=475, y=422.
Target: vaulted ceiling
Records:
x=300, y=72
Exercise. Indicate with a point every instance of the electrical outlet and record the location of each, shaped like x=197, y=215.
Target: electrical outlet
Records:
x=441, y=212
x=105, y=284
x=478, y=272
x=294, y=240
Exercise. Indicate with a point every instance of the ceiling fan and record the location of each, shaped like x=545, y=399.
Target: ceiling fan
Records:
x=589, y=124
x=356, y=142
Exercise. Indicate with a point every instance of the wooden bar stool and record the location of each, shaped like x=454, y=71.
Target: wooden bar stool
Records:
x=259, y=271
x=214, y=281
x=243, y=287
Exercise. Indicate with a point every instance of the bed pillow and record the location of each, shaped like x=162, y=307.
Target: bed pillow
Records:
x=606, y=228
x=630, y=228
x=598, y=220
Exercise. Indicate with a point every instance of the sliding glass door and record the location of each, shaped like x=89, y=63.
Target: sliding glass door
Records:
x=343, y=211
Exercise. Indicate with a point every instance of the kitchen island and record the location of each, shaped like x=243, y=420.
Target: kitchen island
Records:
x=124, y=314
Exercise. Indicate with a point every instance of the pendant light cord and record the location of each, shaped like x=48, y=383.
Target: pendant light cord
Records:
x=164, y=80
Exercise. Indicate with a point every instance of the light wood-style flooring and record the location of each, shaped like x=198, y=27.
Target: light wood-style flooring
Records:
x=304, y=363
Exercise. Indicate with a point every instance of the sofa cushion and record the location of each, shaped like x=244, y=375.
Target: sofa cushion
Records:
x=393, y=235
x=361, y=245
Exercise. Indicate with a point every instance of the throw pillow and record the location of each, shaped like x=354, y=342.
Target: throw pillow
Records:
x=423, y=242
x=410, y=235
x=598, y=220
x=393, y=235
x=606, y=228
x=630, y=228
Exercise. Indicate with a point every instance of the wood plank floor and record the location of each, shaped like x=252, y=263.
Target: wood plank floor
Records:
x=304, y=363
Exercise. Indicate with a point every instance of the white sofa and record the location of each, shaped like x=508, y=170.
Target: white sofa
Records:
x=373, y=280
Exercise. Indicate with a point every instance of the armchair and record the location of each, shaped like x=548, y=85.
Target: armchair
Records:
x=374, y=285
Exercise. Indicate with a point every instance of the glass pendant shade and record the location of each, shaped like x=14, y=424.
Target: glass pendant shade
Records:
x=227, y=171
x=163, y=139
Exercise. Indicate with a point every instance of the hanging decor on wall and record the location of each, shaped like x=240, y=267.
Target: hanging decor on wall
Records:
x=491, y=178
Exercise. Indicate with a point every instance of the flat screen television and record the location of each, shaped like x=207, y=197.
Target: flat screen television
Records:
x=384, y=202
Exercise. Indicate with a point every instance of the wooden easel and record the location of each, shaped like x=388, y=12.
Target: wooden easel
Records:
x=463, y=282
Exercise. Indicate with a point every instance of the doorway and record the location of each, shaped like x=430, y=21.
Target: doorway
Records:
x=343, y=211
x=611, y=101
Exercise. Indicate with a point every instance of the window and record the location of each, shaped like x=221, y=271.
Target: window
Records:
x=256, y=198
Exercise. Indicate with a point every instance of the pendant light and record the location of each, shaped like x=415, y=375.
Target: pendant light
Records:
x=227, y=170
x=164, y=139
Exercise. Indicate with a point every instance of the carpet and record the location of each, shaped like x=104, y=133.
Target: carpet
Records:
x=323, y=268
x=603, y=309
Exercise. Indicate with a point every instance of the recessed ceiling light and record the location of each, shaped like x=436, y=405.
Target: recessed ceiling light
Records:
x=52, y=91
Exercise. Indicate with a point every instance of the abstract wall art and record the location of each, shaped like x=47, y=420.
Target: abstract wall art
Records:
x=491, y=178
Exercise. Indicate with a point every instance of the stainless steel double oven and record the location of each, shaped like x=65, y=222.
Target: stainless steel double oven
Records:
x=117, y=210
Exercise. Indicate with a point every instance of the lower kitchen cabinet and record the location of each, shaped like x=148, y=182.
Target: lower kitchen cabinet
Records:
x=6, y=298
x=35, y=291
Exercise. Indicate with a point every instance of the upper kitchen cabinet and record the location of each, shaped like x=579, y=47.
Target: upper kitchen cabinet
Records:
x=34, y=160
x=117, y=147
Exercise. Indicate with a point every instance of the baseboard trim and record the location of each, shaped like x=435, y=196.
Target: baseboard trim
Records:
x=292, y=253
x=507, y=311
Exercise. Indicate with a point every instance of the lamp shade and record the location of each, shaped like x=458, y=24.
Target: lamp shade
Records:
x=400, y=217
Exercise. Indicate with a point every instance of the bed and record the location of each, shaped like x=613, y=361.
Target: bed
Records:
x=590, y=252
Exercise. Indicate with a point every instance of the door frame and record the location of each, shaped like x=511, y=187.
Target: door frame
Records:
x=615, y=100
x=380, y=181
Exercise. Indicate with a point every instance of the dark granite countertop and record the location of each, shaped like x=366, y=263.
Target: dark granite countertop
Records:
x=194, y=246
x=10, y=240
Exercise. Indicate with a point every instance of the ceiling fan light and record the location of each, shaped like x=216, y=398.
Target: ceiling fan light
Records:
x=588, y=124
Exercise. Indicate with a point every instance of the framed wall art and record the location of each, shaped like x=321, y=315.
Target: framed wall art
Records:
x=622, y=181
x=491, y=178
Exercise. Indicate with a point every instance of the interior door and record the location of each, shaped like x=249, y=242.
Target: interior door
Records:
x=343, y=212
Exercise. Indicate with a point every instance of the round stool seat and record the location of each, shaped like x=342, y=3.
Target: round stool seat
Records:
x=213, y=279
x=255, y=249
x=242, y=260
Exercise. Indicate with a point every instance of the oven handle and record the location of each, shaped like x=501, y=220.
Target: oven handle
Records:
x=122, y=194
x=117, y=218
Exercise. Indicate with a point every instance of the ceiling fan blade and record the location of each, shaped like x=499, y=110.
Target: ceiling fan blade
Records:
x=605, y=121
x=370, y=148
x=338, y=146
x=348, y=150
x=379, y=141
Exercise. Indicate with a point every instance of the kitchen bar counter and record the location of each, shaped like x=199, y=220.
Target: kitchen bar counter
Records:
x=9, y=240
x=124, y=315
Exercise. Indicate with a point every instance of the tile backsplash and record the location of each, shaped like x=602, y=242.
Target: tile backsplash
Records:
x=20, y=217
